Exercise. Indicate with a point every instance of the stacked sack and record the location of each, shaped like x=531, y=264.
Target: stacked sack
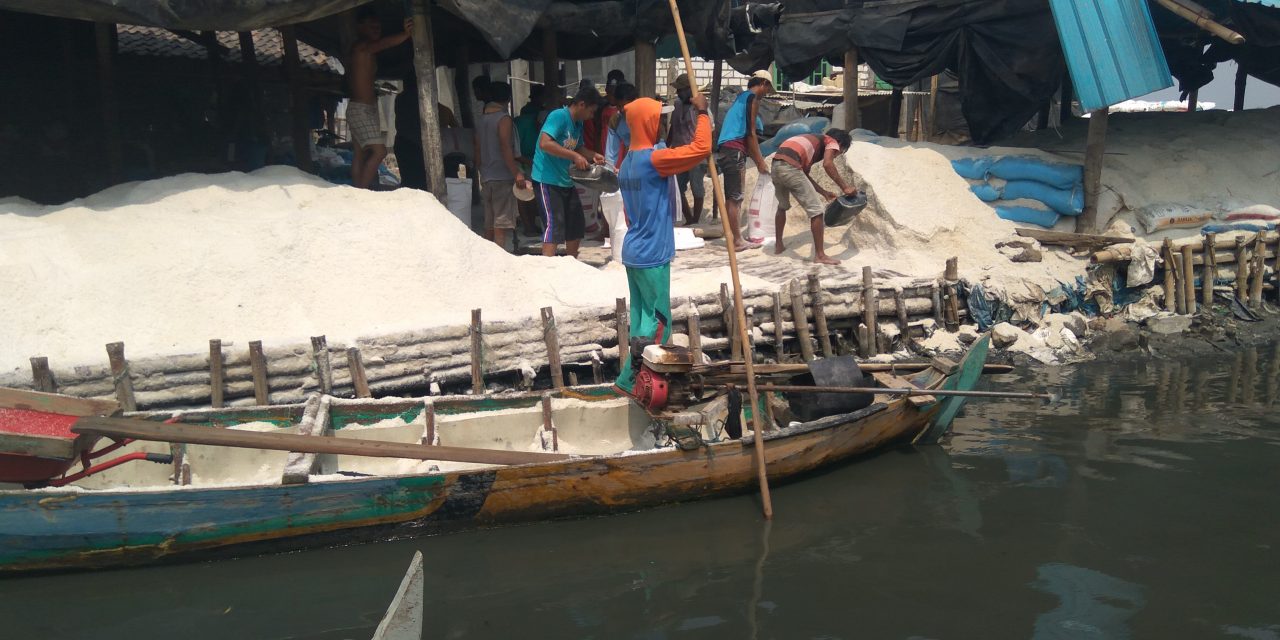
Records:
x=1059, y=187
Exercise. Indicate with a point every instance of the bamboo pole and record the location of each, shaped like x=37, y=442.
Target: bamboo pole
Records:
x=41, y=376
x=122, y=377
x=695, y=333
x=324, y=366
x=1258, y=270
x=1095, y=146
x=551, y=336
x=1170, y=295
x=1188, y=280
x=429, y=436
x=718, y=189
x=819, y=316
x=547, y=424
x=852, y=119
x=1210, y=271
x=424, y=64
x=1201, y=17
x=867, y=341
x=216, y=383
x=801, y=320
x=779, y=338
x=477, y=352
x=359, y=381
x=1242, y=273
x=623, y=322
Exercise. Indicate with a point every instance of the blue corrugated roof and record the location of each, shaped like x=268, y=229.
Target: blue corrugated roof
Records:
x=1112, y=50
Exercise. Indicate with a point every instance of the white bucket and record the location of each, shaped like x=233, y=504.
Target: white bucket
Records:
x=458, y=198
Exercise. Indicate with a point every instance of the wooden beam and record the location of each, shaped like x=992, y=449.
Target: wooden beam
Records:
x=1242, y=79
x=1087, y=222
x=852, y=119
x=258, y=365
x=820, y=316
x=216, y=381
x=424, y=65
x=477, y=353
x=622, y=320
x=213, y=436
x=324, y=365
x=316, y=421
x=646, y=79
x=551, y=335
x=355, y=365
x=298, y=129
x=801, y=320
x=895, y=113
x=104, y=36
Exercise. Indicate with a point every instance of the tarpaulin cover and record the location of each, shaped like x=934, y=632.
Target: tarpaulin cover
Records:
x=199, y=15
x=1005, y=52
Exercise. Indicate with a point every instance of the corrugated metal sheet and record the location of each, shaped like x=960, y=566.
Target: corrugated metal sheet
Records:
x=1112, y=50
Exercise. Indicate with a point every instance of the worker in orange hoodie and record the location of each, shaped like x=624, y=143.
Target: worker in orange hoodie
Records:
x=650, y=204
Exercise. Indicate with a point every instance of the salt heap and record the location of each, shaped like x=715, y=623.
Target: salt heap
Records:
x=276, y=255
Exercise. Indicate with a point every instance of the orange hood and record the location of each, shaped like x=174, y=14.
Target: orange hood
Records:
x=644, y=116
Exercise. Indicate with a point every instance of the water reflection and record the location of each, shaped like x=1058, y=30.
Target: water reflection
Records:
x=1143, y=505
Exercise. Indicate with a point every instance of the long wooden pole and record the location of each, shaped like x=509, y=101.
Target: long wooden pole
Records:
x=717, y=188
x=298, y=129
x=852, y=119
x=1096, y=144
x=424, y=65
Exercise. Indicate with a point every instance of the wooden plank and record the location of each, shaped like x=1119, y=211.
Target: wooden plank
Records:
x=548, y=424
x=892, y=381
x=29, y=444
x=1210, y=271
x=730, y=319
x=430, y=436
x=424, y=66
x=1095, y=145
x=355, y=365
x=622, y=322
x=947, y=366
x=799, y=318
x=1189, y=280
x=258, y=364
x=1170, y=295
x=403, y=619
x=56, y=403
x=477, y=352
x=121, y=377
x=41, y=376
x=190, y=434
x=551, y=335
x=1063, y=238
x=779, y=337
x=820, y=316
x=695, y=333
x=217, y=384
x=316, y=421
x=324, y=366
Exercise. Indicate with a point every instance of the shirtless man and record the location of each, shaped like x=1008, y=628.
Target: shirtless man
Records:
x=362, y=110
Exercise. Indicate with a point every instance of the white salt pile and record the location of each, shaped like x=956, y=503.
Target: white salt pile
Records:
x=275, y=255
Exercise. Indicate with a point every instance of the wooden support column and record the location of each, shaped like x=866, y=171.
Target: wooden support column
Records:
x=717, y=76
x=551, y=335
x=477, y=350
x=315, y=421
x=424, y=65
x=355, y=366
x=867, y=342
x=1189, y=280
x=258, y=365
x=1170, y=285
x=1087, y=222
x=1210, y=270
x=1242, y=79
x=121, y=376
x=801, y=320
x=852, y=119
x=1065, y=100
x=647, y=69
x=324, y=365
x=695, y=333
x=779, y=338
x=895, y=112
x=41, y=376
x=622, y=320
x=462, y=86
x=551, y=95
x=298, y=130
x=952, y=276
x=249, y=67
x=819, y=316
x=216, y=382
x=105, y=36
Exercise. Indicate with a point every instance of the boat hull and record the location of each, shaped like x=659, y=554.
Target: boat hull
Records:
x=52, y=530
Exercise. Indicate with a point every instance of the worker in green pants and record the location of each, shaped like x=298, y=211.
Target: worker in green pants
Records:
x=650, y=312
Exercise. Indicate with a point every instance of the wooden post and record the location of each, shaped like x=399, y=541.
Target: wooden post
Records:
x=622, y=319
x=424, y=64
x=801, y=320
x=1258, y=270
x=120, y=375
x=462, y=85
x=551, y=95
x=477, y=351
x=1189, y=279
x=936, y=293
x=258, y=364
x=547, y=423
x=1179, y=287
x=216, y=382
x=952, y=275
x=751, y=333
x=573, y=378
x=429, y=436
x=597, y=369
x=895, y=112
x=819, y=316
x=646, y=78
x=249, y=65
x=105, y=34
x=41, y=376
x=1210, y=270
x=1242, y=79
x=299, y=130
x=551, y=336
x=1170, y=294
x=900, y=307
x=1193, y=99
x=355, y=365
x=867, y=342
x=779, y=337
x=695, y=333
x=1095, y=146
x=1242, y=271
x=931, y=127
x=324, y=366
x=852, y=119
x=727, y=314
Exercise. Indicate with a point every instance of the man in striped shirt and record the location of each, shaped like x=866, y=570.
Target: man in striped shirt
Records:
x=790, y=173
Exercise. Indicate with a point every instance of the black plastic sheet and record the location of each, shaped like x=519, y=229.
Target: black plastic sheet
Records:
x=196, y=15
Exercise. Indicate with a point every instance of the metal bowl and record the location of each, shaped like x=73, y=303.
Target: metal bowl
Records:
x=599, y=177
x=844, y=209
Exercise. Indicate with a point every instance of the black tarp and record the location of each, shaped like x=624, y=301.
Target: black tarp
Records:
x=196, y=15
x=1005, y=52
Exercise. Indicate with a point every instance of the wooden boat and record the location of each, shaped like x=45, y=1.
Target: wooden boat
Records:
x=248, y=501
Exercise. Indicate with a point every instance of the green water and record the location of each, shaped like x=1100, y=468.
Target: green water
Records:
x=1144, y=506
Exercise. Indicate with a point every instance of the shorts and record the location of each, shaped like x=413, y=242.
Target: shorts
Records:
x=500, y=204
x=732, y=164
x=788, y=181
x=693, y=180
x=561, y=212
x=366, y=128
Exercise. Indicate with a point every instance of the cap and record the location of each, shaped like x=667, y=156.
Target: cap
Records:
x=763, y=74
x=681, y=81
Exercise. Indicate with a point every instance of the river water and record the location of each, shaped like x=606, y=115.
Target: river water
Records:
x=1144, y=505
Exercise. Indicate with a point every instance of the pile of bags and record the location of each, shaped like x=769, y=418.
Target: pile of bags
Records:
x=1000, y=180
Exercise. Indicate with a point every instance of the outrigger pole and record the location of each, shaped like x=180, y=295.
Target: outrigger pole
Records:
x=740, y=315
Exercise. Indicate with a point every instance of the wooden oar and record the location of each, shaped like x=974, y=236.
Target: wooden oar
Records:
x=739, y=308
x=912, y=391
x=188, y=434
